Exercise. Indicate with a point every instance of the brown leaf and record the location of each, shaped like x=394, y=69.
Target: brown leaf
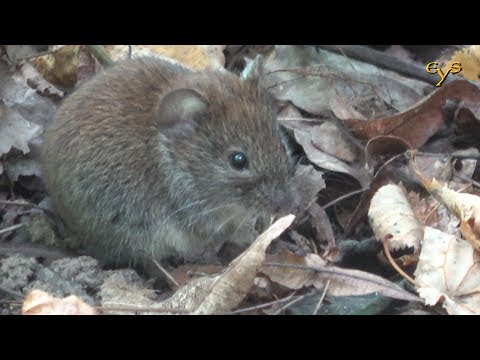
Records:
x=60, y=68
x=416, y=125
x=382, y=148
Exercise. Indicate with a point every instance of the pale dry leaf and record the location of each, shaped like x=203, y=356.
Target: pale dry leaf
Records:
x=466, y=207
x=234, y=284
x=312, y=270
x=329, y=162
x=124, y=288
x=328, y=138
x=38, y=82
x=197, y=57
x=449, y=271
x=20, y=166
x=17, y=94
x=310, y=77
x=343, y=109
x=390, y=214
x=15, y=130
x=39, y=302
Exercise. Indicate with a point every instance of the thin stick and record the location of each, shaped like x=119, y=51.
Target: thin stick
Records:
x=393, y=263
x=464, y=178
x=166, y=273
x=261, y=306
x=141, y=309
x=301, y=297
x=343, y=197
x=456, y=156
x=11, y=228
x=321, y=298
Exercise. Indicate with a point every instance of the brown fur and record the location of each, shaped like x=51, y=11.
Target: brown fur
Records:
x=132, y=188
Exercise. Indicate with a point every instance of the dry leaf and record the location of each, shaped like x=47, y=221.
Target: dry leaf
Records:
x=59, y=68
x=330, y=162
x=391, y=214
x=448, y=271
x=465, y=207
x=328, y=138
x=469, y=57
x=39, y=302
x=15, y=131
x=313, y=270
x=417, y=124
x=310, y=78
x=234, y=284
x=197, y=57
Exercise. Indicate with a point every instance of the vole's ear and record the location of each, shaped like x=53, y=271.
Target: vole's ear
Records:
x=181, y=111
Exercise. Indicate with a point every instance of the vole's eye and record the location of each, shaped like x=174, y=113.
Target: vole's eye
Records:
x=238, y=160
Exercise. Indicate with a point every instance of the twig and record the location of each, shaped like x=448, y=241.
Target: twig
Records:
x=392, y=261
x=166, y=273
x=319, y=304
x=384, y=61
x=142, y=309
x=456, y=156
x=301, y=297
x=343, y=197
x=11, y=228
x=471, y=181
x=261, y=306
x=101, y=55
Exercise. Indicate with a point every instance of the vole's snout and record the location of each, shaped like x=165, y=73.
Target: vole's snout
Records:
x=282, y=203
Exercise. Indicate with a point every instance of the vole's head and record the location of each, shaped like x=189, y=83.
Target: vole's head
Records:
x=227, y=151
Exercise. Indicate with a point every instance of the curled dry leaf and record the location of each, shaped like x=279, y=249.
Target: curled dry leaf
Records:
x=296, y=272
x=391, y=214
x=466, y=207
x=39, y=302
x=448, y=271
x=234, y=284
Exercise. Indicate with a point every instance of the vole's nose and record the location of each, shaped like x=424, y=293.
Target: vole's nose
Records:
x=282, y=203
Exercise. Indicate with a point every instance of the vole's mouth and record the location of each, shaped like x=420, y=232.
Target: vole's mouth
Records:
x=259, y=225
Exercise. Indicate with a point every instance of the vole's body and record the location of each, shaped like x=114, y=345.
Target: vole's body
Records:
x=137, y=167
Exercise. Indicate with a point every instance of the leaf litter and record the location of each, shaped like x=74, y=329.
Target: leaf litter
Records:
x=346, y=116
